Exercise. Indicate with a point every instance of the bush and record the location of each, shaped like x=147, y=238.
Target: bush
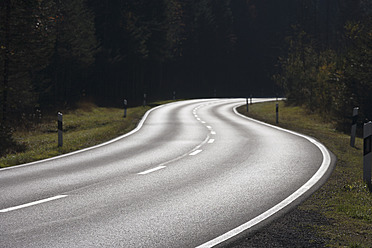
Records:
x=327, y=81
x=7, y=143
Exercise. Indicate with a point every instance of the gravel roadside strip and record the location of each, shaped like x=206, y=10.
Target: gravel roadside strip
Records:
x=294, y=229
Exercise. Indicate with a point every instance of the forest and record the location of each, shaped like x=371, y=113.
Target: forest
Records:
x=54, y=53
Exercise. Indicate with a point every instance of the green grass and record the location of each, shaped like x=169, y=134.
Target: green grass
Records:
x=86, y=126
x=345, y=199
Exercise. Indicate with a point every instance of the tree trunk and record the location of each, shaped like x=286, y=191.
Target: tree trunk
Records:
x=6, y=59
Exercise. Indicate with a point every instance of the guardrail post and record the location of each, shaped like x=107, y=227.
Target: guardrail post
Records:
x=354, y=126
x=367, y=153
x=60, y=129
x=277, y=113
x=125, y=108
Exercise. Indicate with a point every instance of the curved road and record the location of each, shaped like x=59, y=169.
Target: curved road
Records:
x=194, y=173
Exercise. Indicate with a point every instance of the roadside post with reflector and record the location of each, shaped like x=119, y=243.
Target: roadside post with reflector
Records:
x=367, y=153
x=125, y=107
x=60, y=129
x=354, y=126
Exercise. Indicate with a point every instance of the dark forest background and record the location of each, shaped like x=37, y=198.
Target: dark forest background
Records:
x=55, y=53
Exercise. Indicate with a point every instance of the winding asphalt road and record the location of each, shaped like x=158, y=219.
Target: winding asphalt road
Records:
x=194, y=173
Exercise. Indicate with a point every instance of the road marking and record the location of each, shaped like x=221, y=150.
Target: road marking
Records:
x=203, y=122
x=32, y=203
x=209, y=127
x=287, y=201
x=151, y=170
x=211, y=141
x=139, y=126
x=213, y=132
x=195, y=152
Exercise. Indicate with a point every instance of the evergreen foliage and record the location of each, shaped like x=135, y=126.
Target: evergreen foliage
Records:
x=54, y=52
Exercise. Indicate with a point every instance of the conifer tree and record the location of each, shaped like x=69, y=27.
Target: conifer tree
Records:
x=74, y=50
x=27, y=50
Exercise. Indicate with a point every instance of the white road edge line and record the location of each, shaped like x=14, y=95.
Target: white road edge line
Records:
x=302, y=190
x=195, y=152
x=32, y=203
x=151, y=170
x=139, y=126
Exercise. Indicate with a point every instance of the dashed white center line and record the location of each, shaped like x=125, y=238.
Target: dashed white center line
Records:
x=195, y=152
x=203, y=122
x=209, y=127
x=210, y=141
x=213, y=132
x=151, y=170
x=32, y=203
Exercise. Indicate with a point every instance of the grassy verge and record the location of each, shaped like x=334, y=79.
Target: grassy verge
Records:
x=86, y=126
x=344, y=200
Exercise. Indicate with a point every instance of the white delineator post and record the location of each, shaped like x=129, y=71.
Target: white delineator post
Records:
x=60, y=129
x=144, y=99
x=354, y=126
x=367, y=152
x=174, y=95
x=277, y=113
x=247, y=105
x=125, y=107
